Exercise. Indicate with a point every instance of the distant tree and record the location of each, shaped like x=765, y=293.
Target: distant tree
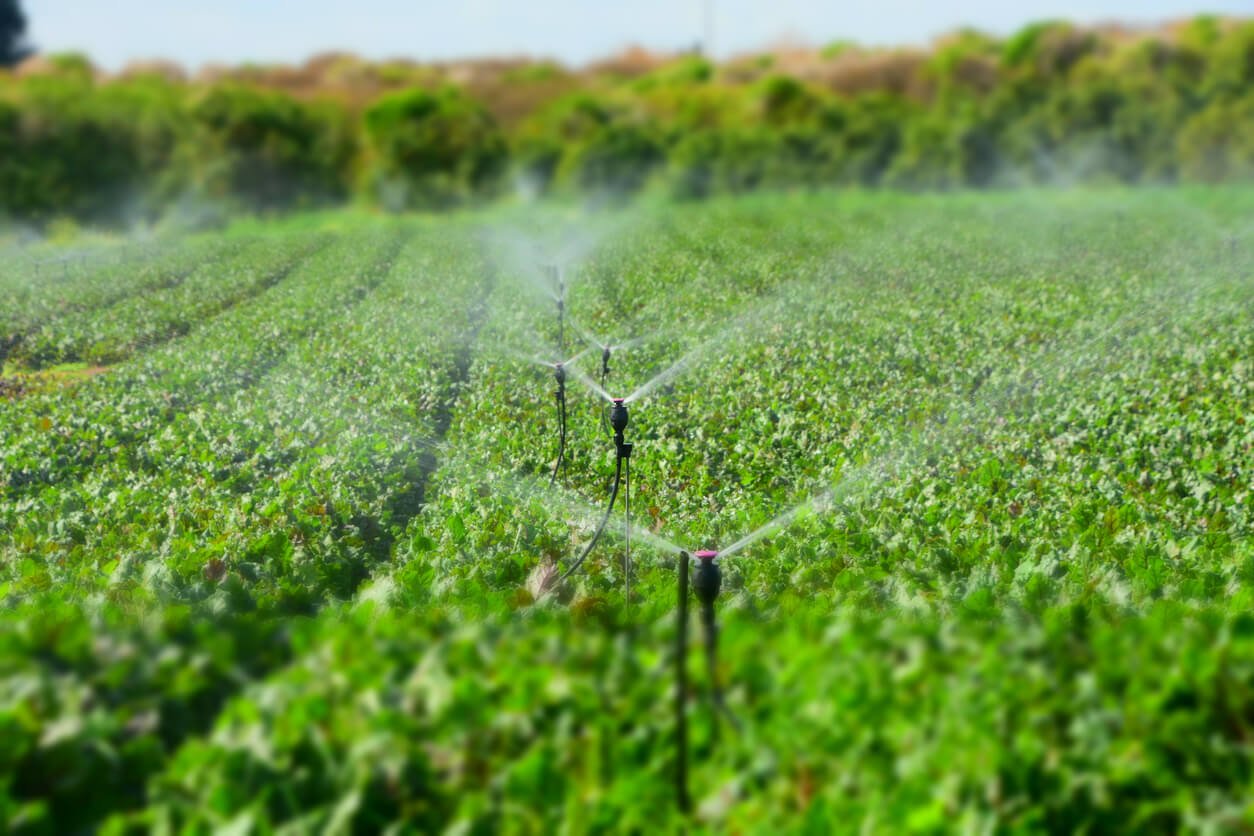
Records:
x=13, y=48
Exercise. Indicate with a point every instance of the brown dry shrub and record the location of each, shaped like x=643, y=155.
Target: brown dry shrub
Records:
x=977, y=72
x=632, y=62
x=168, y=71
x=897, y=71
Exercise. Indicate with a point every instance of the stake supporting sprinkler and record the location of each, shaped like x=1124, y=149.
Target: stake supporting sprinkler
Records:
x=624, y=453
x=559, y=373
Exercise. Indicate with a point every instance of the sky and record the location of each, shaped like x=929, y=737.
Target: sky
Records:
x=196, y=32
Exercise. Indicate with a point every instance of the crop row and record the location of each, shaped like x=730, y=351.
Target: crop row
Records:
x=975, y=408
x=168, y=311
x=37, y=302
x=1038, y=426
x=274, y=496
x=279, y=480
x=1036, y=420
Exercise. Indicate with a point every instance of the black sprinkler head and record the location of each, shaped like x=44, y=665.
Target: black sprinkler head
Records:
x=618, y=416
x=559, y=372
x=708, y=579
x=605, y=360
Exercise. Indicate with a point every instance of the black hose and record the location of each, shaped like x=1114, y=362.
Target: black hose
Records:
x=561, y=435
x=609, y=509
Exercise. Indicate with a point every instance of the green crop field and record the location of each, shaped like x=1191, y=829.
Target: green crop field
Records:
x=279, y=551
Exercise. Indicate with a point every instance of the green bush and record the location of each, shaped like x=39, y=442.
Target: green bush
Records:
x=69, y=149
x=1217, y=144
x=595, y=145
x=869, y=133
x=431, y=150
x=1052, y=103
x=267, y=150
x=615, y=160
x=709, y=162
x=781, y=100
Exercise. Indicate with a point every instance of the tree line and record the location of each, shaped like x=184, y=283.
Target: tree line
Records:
x=1052, y=103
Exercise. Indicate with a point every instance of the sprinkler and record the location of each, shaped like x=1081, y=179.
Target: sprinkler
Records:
x=562, y=370
x=558, y=281
x=619, y=418
x=608, y=349
x=706, y=582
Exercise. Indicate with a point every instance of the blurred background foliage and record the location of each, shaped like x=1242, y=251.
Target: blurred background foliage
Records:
x=1051, y=104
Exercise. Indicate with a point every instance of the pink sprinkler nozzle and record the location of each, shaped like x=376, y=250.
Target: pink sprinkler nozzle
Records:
x=705, y=555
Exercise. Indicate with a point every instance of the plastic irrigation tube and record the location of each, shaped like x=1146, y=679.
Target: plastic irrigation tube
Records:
x=609, y=509
x=561, y=433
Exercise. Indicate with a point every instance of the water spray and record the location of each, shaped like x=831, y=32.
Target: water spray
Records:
x=607, y=349
x=562, y=369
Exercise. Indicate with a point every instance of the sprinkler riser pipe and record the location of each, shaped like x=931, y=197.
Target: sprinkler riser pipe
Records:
x=681, y=690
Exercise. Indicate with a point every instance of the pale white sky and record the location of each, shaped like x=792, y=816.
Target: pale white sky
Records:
x=194, y=32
